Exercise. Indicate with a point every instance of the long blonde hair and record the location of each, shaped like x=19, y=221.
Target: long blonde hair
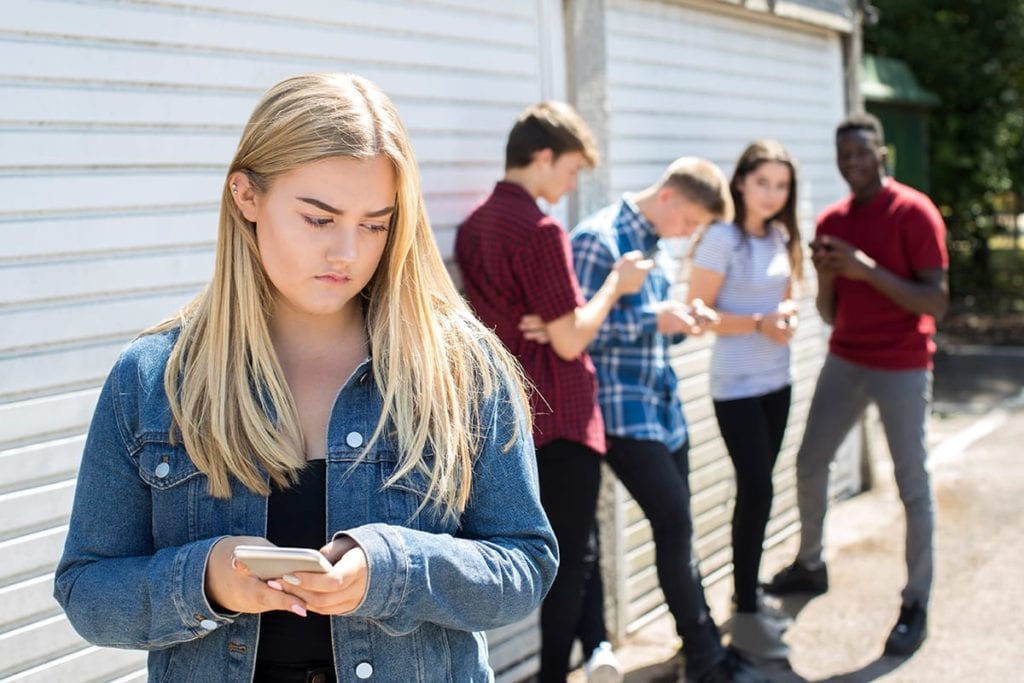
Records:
x=432, y=359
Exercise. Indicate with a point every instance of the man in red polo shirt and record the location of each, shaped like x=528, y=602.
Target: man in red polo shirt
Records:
x=881, y=260
x=515, y=259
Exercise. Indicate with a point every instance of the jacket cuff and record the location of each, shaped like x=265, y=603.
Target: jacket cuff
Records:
x=385, y=589
x=190, y=601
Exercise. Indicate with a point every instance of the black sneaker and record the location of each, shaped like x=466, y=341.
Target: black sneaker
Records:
x=797, y=578
x=909, y=632
x=730, y=669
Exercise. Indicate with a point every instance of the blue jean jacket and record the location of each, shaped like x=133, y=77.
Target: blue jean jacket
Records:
x=143, y=525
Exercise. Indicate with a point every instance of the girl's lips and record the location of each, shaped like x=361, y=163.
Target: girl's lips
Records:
x=333, y=278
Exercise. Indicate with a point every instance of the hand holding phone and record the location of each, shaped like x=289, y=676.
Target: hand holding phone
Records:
x=272, y=562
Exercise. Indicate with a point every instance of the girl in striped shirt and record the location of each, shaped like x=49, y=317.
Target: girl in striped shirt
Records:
x=745, y=270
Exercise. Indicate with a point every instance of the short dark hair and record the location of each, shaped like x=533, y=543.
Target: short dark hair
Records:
x=862, y=121
x=549, y=125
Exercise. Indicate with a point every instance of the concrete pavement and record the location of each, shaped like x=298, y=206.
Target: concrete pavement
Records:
x=976, y=631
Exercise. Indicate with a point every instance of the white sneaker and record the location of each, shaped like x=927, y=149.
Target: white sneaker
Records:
x=770, y=607
x=603, y=666
x=757, y=636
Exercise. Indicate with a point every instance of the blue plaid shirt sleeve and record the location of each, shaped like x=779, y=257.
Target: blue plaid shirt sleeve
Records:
x=593, y=260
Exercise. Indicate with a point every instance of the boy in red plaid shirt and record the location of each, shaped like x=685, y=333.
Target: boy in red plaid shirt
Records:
x=515, y=259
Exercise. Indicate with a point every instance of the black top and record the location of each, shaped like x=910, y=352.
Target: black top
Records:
x=297, y=517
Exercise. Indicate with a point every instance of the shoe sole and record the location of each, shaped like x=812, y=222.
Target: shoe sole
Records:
x=794, y=591
x=900, y=652
x=779, y=655
x=605, y=673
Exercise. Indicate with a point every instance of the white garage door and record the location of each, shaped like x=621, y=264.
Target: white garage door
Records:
x=684, y=80
x=117, y=121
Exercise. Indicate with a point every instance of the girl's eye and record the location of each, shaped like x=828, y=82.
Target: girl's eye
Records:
x=376, y=227
x=318, y=222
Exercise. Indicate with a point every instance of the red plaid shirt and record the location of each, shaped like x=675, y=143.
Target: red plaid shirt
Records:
x=515, y=260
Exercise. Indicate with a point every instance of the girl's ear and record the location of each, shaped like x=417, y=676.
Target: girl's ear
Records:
x=243, y=194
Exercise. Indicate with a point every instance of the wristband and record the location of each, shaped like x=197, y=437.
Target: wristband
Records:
x=757, y=321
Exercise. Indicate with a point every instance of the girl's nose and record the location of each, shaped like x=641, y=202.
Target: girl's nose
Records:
x=343, y=244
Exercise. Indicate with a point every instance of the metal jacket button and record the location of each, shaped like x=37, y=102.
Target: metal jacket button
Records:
x=208, y=624
x=364, y=670
x=162, y=470
x=354, y=439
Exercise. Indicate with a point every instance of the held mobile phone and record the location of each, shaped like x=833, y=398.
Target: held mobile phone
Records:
x=271, y=562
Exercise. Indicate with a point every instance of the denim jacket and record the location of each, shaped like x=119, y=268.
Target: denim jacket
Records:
x=143, y=525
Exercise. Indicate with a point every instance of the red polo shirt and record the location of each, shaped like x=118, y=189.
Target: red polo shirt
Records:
x=903, y=231
x=515, y=260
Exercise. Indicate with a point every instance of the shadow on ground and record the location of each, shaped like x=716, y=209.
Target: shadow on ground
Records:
x=976, y=379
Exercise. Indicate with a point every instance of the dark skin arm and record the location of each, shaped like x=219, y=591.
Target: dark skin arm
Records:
x=926, y=294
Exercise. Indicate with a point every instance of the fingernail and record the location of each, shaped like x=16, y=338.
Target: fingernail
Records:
x=234, y=562
x=299, y=609
x=293, y=580
x=275, y=585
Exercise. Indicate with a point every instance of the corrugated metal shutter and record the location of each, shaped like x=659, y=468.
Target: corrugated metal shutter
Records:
x=118, y=120
x=683, y=80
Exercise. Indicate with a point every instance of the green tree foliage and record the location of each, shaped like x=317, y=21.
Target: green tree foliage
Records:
x=971, y=54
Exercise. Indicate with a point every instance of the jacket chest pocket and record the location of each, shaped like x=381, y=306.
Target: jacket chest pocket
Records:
x=359, y=495
x=181, y=509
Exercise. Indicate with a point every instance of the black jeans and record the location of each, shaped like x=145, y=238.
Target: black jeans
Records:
x=658, y=480
x=752, y=429
x=570, y=480
x=591, y=629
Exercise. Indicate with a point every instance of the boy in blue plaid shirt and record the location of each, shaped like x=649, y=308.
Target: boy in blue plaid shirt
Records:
x=646, y=430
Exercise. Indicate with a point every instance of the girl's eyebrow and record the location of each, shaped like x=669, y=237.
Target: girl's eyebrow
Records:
x=330, y=209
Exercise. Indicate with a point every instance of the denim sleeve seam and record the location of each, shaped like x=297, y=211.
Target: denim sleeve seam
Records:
x=400, y=583
x=130, y=444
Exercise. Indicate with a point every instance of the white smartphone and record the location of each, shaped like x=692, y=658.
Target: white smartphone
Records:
x=272, y=562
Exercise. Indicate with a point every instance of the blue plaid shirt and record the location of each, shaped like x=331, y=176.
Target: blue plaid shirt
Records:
x=636, y=386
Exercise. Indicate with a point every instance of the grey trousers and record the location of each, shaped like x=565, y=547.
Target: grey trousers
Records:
x=843, y=392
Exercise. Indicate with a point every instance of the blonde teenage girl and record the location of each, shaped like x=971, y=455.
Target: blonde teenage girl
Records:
x=328, y=389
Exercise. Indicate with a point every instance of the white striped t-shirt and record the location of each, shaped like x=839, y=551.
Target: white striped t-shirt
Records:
x=757, y=272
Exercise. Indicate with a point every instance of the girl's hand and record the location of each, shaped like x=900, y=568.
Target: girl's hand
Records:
x=340, y=590
x=231, y=588
x=703, y=314
x=790, y=311
x=776, y=326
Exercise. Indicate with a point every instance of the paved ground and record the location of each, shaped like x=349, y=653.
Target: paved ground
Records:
x=976, y=629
